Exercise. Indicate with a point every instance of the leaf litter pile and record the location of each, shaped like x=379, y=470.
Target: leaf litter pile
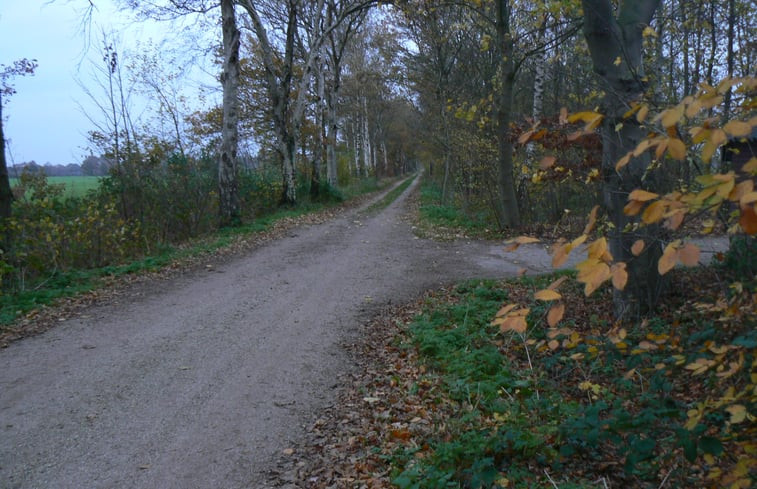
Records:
x=442, y=398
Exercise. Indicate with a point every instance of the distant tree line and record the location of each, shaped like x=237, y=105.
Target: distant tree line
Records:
x=92, y=166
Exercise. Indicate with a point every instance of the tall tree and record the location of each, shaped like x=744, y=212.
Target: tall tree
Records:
x=7, y=73
x=228, y=190
x=615, y=42
x=284, y=80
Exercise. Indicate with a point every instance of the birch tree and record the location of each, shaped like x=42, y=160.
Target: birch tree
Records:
x=288, y=88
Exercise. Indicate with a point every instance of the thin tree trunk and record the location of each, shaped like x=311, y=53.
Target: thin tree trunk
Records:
x=6, y=195
x=729, y=57
x=228, y=191
x=366, y=139
x=685, y=50
x=509, y=211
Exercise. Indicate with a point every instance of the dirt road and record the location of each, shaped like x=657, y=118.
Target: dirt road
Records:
x=202, y=381
x=197, y=382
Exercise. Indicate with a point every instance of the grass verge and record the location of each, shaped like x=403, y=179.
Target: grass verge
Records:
x=390, y=197
x=448, y=221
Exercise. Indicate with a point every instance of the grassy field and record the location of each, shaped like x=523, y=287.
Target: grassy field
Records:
x=75, y=186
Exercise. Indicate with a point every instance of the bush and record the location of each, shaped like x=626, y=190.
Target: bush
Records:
x=48, y=233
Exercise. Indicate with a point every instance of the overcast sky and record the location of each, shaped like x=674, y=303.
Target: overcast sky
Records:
x=44, y=120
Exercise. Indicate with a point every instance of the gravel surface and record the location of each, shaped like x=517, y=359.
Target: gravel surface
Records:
x=205, y=379
x=199, y=381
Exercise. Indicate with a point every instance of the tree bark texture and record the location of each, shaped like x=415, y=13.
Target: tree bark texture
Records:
x=6, y=196
x=509, y=213
x=228, y=190
x=610, y=39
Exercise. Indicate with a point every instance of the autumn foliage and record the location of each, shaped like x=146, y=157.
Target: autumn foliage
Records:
x=694, y=131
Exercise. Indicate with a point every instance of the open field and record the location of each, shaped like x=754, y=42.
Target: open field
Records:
x=75, y=186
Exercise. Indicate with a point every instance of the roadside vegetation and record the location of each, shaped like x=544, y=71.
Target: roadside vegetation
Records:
x=66, y=244
x=591, y=404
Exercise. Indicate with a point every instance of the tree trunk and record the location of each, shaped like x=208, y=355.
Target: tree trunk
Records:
x=610, y=39
x=729, y=58
x=366, y=139
x=6, y=195
x=331, y=135
x=228, y=191
x=509, y=214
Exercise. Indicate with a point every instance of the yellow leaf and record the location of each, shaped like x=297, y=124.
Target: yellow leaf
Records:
x=633, y=207
x=693, y=109
x=642, y=195
x=547, y=295
x=554, y=333
x=661, y=147
x=560, y=255
x=554, y=285
x=653, y=213
x=623, y=162
x=506, y=309
x=726, y=84
x=737, y=128
x=617, y=61
x=668, y=259
x=563, y=116
x=677, y=149
x=635, y=108
x=596, y=277
x=520, y=240
x=689, y=255
x=547, y=162
x=748, y=198
x=738, y=413
x=671, y=116
x=526, y=240
x=718, y=137
x=523, y=139
x=619, y=275
x=642, y=113
x=740, y=190
x=648, y=31
x=642, y=146
x=597, y=248
x=554, y=316
x=592, y=220
x=515, y=321
x=708, y=150
x=637, y=247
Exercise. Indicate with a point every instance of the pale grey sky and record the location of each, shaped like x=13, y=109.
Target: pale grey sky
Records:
x=44, y=121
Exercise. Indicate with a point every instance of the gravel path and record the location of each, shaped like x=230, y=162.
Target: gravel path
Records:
x=202, y=381
x=199, y=381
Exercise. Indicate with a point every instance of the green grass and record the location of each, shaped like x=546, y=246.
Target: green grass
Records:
x=599, y=397
x=436, y=215
x=391, y=196
x=75, y=186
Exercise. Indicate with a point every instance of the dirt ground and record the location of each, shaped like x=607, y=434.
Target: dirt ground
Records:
x=204, y=379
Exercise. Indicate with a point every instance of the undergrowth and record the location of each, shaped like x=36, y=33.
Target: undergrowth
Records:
x=588, y=404
x=437, y=217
